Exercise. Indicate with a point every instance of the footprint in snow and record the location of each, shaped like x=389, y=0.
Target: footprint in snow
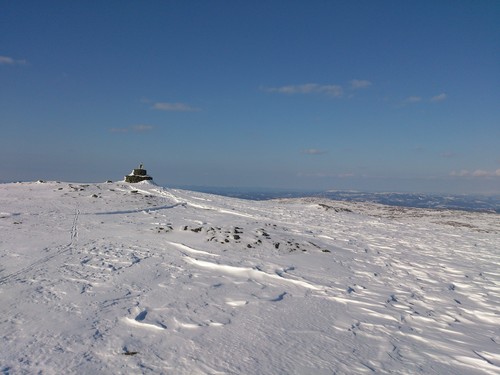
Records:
x=279, y=298
x=141, y=316
x=138, y=321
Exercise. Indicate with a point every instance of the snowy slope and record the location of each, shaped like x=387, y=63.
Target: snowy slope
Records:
x=119, y=279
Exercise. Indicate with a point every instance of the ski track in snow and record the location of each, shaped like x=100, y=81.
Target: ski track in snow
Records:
x=152, y=280
x=57, y=252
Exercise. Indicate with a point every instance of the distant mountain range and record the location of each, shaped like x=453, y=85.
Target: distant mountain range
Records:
x=485, y=203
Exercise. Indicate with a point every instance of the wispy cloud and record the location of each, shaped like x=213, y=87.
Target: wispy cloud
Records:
x=435, y=99
x=413, y=99
x=174, y=107
x=325, y=175
x=476, y=173
x=316, y=88
x=313, y=151
x=119, y=130
x=461, y=173
x=6, y=60
x=448, y=154
x=419, y=148
x=360, y=84
x=307, y=88
x=439, y=98
x=140, y=128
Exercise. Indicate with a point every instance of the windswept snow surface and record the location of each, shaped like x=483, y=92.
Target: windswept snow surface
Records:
x=119, y=279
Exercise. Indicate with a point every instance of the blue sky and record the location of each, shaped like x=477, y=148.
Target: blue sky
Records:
x=362, y=95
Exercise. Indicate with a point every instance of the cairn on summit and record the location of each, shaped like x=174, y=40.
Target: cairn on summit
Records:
x=138, y=175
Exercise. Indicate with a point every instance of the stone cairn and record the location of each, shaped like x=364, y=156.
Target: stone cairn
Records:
x=138, y=175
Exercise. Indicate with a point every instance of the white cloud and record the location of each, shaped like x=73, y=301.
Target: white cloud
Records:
x=313, y=151
x=6, y=60
x=434, y=99
x=308, y=88
x=360, y=84
x=346, y=175
x=480, y=173
x=439, y=98
x=461, y=173
x=325, y=175
x=175, y=107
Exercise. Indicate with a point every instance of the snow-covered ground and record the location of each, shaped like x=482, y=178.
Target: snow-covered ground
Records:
x=119, y=279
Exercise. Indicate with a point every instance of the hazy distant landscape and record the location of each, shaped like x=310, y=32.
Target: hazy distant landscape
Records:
x=485, y=203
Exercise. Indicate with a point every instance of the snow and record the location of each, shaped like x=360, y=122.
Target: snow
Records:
x=120, y=278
